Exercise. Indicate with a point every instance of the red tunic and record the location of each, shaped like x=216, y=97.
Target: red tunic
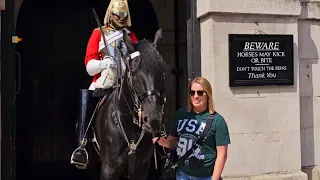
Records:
x=93, y=48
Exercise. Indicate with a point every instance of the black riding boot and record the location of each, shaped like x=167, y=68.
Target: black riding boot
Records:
x=87, y=106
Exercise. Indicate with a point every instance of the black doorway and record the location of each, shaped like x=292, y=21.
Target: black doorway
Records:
x=55, y=35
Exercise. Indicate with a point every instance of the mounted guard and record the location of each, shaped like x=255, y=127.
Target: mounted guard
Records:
x=101, y=63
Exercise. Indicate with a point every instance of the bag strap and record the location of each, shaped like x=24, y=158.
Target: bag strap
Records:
x=200, y=141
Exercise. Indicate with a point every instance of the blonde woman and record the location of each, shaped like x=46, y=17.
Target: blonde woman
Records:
x=208, y=159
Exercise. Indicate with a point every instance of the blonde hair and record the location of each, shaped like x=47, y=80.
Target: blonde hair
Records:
x=207, y=88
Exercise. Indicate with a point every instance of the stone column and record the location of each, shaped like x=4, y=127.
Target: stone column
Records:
x=264, y=122
x=0, y=98
x=309, y=54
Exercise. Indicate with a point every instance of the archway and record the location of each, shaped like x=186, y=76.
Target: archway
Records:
x=55, y=35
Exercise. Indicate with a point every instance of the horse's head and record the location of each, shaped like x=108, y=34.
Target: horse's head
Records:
x=146, y=75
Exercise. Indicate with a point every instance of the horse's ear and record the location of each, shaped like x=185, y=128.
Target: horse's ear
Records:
x=135, y=62
x=157, y=37
x=127, y=41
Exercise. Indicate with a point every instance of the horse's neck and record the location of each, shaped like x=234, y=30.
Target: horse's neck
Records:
x=127, y=112
x=126, y=102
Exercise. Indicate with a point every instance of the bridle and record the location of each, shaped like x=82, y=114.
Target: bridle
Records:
x=138, y=99
x=137, y=106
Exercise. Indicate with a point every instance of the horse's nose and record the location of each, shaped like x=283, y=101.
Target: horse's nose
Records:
x=154, y=124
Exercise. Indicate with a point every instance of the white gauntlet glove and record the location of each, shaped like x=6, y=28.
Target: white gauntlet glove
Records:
x=108, y=75
x=96, y=66
x=107, y=62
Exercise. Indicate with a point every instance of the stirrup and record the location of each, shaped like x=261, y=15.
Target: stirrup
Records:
x=80, y=165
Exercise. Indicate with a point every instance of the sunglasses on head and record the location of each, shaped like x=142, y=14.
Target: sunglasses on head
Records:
x=199, y=92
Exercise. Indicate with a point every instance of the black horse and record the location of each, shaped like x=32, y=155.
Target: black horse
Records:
x=131, y=115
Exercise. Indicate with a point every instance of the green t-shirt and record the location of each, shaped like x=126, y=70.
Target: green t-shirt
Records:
x=187, y=126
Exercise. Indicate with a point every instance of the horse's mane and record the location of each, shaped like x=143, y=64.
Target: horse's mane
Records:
x=151, y=60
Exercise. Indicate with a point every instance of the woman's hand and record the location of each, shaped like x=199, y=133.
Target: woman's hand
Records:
x=161, y=141
x=169, y=143
x=155, y=139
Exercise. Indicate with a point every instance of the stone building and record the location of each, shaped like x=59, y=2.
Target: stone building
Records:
x=274, y=130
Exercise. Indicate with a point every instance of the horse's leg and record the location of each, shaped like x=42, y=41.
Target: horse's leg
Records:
x=113, y=165
x=142, y=171
x=109, y=172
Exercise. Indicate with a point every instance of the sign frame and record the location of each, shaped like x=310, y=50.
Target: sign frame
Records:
x=233, y=59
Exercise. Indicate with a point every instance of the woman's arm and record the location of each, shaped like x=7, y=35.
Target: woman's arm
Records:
x=170, y=142
x=222, y=152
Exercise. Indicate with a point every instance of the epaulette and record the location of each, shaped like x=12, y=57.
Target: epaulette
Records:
x=105, y=29
x=127, y=30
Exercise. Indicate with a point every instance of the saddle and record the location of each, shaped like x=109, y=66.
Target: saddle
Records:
x=99, y=92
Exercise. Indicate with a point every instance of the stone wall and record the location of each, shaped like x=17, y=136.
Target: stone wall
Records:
x=309, y=55
x=273, y=128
